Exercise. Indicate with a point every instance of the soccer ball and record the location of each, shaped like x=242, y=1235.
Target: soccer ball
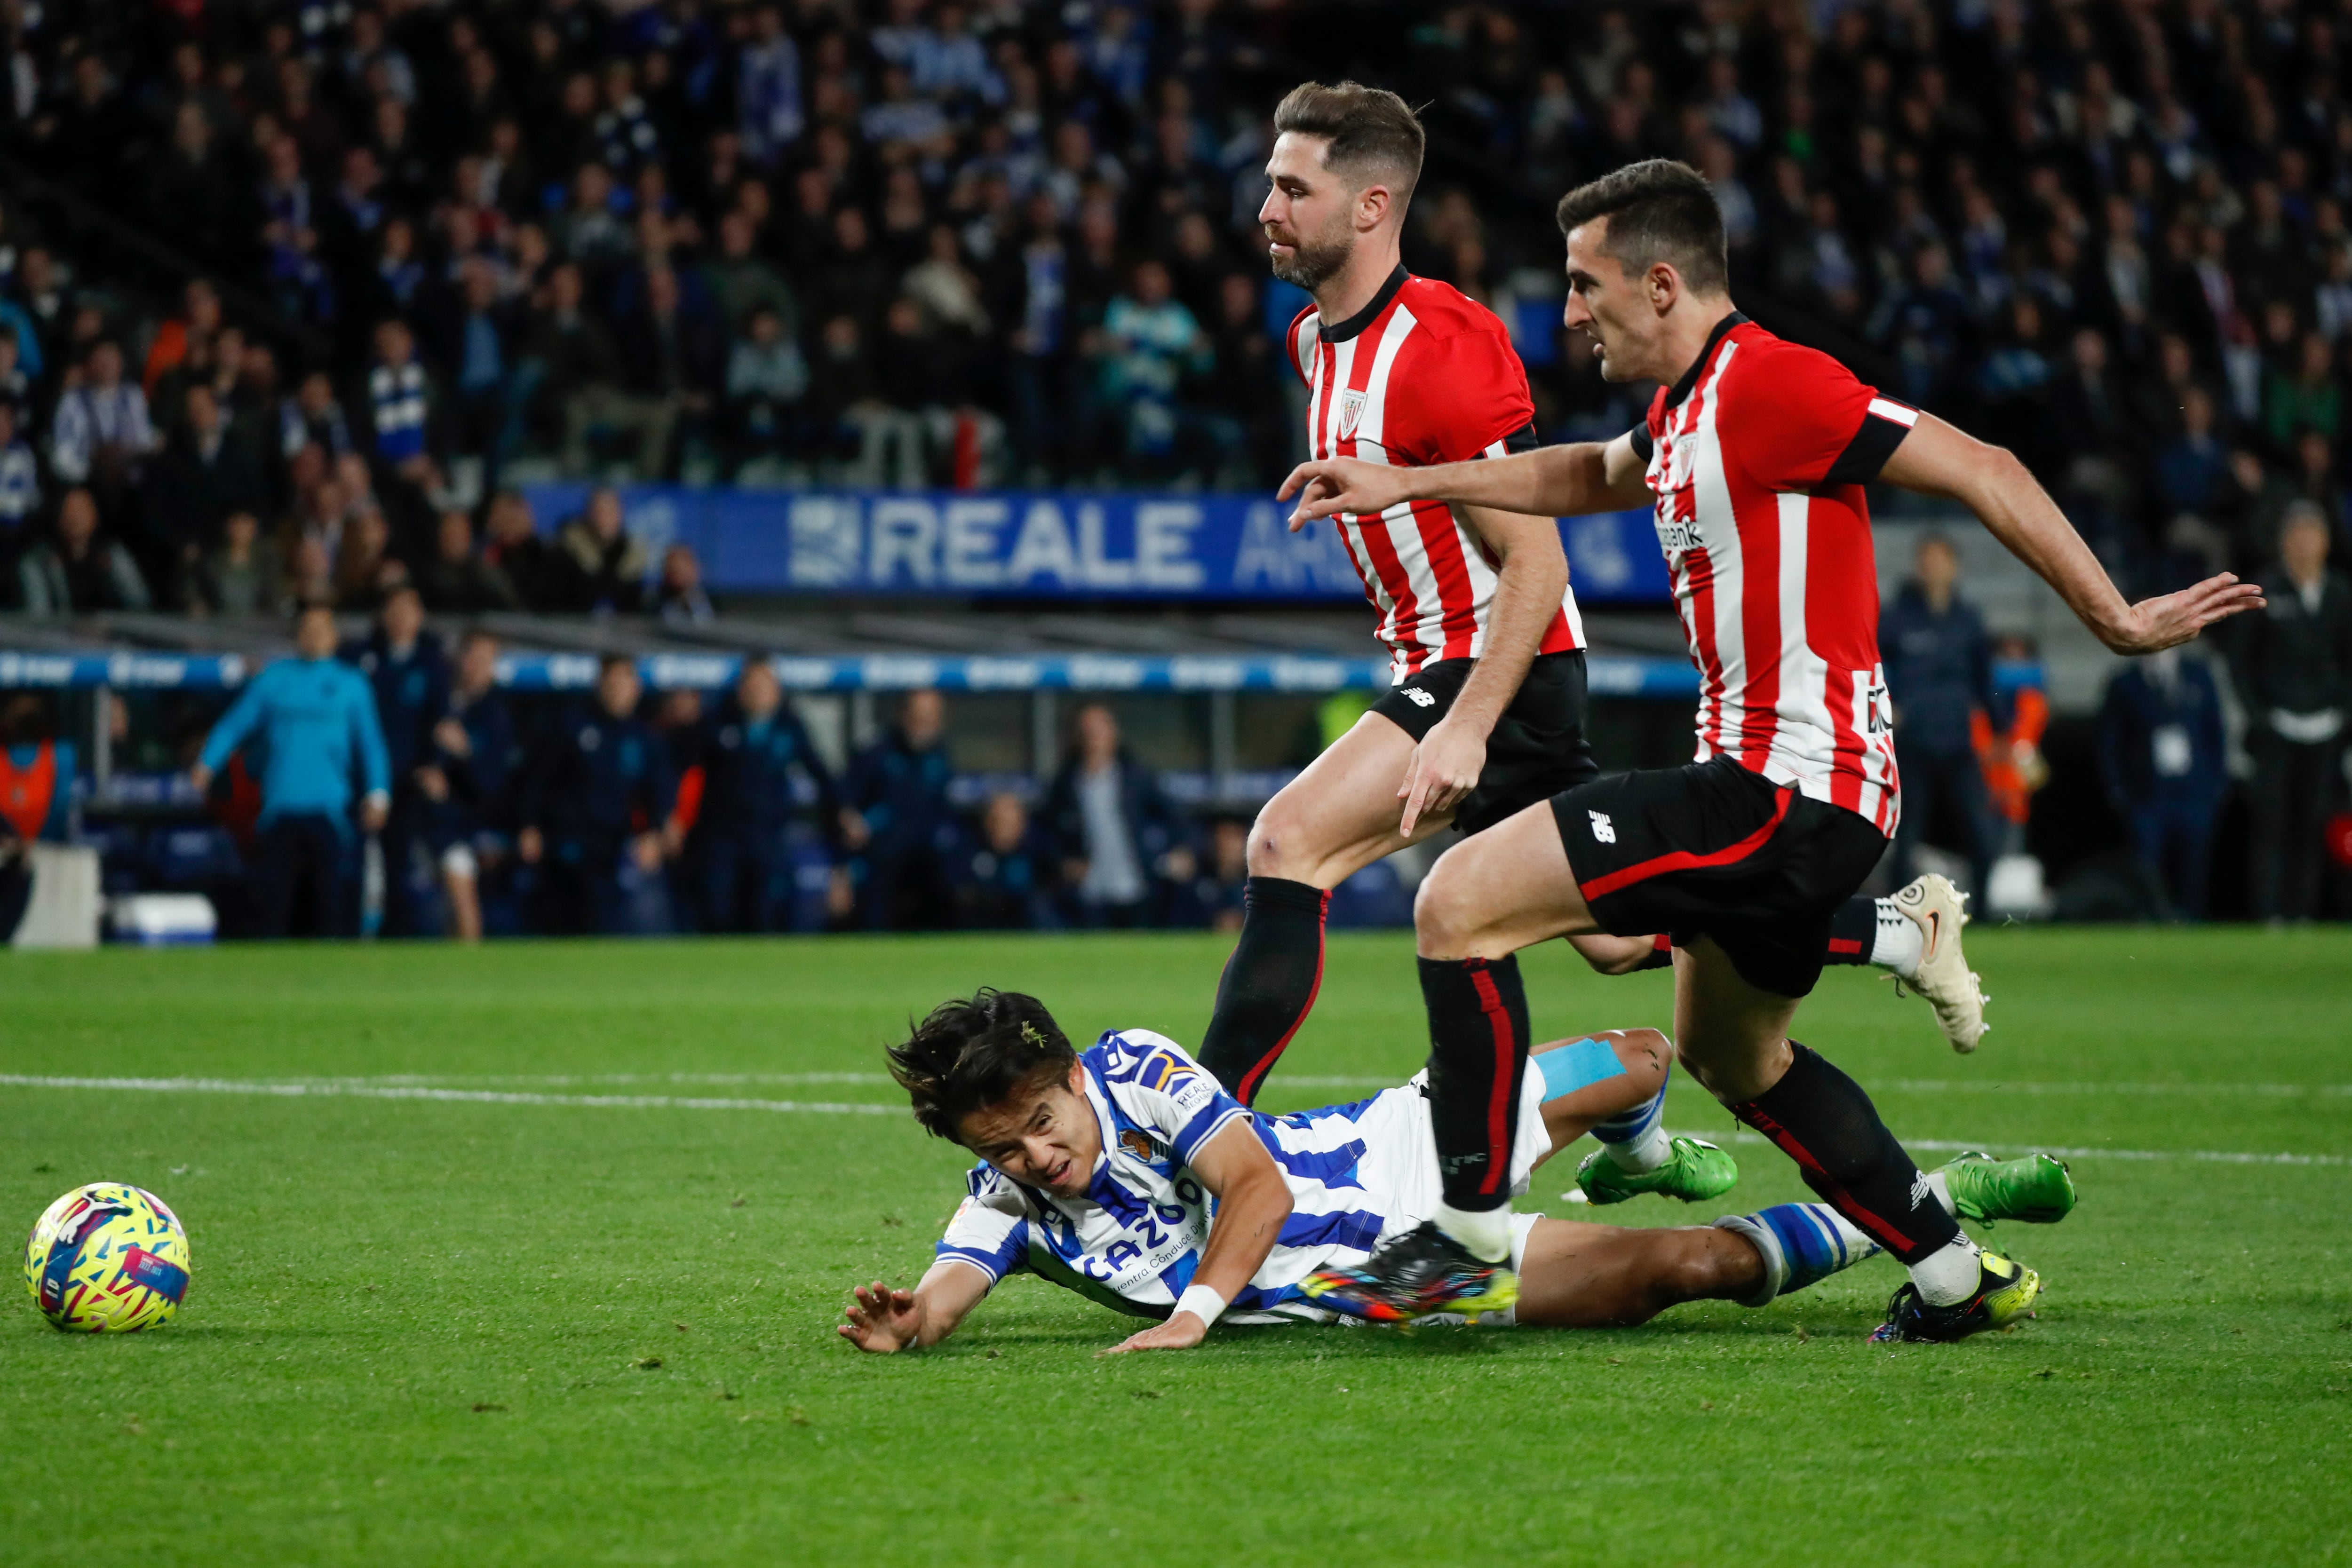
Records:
x=107, y=1259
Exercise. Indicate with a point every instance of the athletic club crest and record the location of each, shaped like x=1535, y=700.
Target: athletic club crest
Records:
x=1352, y=409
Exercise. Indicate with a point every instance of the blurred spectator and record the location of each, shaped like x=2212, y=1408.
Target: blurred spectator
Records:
x=1151, y=342
x=676, y=346
x=597, y=803
x=2163, y=757
x=316, y=720
x=1121, y=839
x=202, y=476
x=766, y=379
x=596, y=564
x=680, y=600
x=456, y=582
x=364, y=565
x=1217, y=891
x=1939, y=678
x=895, y=817
x=312, y=417
x=101, y=435
x=761, y=775
x=467, y=781
x=80, y=570
x=481, y=354
x=20, y=483
x=2295, y=666
x=37, y=792
x=240, y=575
x=514, y=548
x=410, y=678
x=1006, y=881
x=398, y=399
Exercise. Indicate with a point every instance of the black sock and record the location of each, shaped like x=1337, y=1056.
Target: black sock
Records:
x=1477, y=1048
x=1269, y=983
x=1824, y=1121
x=1854, y=931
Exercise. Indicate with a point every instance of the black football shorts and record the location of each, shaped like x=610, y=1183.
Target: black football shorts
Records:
x=1536, y=747
x=1713, y=850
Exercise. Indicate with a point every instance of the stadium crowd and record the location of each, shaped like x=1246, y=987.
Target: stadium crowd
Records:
x=433, y=246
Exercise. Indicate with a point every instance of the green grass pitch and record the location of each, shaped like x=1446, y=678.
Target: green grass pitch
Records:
x=462, y=1331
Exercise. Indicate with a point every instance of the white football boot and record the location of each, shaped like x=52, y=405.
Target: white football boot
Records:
x=1944, y=977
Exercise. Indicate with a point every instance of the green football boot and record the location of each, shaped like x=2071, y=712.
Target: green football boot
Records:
x=1695, y=1170
x=2033, y=1188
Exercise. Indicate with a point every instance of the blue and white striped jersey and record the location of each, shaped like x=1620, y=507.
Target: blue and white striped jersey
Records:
x=1358, y=1173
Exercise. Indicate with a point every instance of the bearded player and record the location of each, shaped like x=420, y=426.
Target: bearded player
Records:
x=1487, y=713
x=1124, y=1174
x=1754, y=458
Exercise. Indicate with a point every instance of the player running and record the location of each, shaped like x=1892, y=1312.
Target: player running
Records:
x=1486, y=650
x=1098, y=1171
x=1753, y=456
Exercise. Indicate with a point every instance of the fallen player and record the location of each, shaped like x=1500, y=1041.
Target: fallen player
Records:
x=1100, y=1172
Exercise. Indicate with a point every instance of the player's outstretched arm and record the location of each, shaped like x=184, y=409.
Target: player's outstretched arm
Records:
x=1936, y=459
x=1551, y=482
x=1252, y=1201
x=883, y=1319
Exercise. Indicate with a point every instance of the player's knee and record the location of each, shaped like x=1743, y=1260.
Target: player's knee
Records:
x=1278, y=843
x=1445, y=917
x=1644, y=1054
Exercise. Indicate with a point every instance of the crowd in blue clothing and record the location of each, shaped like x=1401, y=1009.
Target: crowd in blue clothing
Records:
x=608, y=814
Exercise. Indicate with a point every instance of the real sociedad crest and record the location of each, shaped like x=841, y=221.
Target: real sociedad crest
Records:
x=1352, y=409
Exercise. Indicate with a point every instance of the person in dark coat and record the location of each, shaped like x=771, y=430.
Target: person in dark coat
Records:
x=2295, y=672
x=597, y=565
x=896, y=817
x=1938, y=675
x=761, y=775
x=404, y=664
x=2163, y=756
x=469, y=781
x=595, y=811
x=1123, y=841
x=1004, y=881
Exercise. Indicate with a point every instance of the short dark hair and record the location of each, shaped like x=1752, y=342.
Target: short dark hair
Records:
x=974, y=1052
x=1362, y=127
x=1658, y=209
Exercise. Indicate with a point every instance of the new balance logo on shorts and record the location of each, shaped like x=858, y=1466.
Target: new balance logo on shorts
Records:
x=1920, y=1191
x=1603, y=829
x=1418, y=698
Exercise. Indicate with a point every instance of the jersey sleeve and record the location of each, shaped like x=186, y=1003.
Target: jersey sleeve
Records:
x=1294, y=341
x=1166, y=1092
x=990, y=1230
x=1469, y=399
x=1797, y=420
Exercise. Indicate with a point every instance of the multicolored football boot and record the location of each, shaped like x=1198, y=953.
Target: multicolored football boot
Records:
x=1419, y=1273
x=2033, y=1188
x=1695, y=1170
x=2005, y=1292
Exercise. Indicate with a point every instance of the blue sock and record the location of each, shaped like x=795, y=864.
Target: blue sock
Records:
x=1815, y=1241
x=1636, y=1139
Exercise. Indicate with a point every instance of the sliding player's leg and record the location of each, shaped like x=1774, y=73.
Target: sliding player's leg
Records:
x=1613, y=1084
x=1574, y=1275
x=1733, y=1034
x=1339, y=816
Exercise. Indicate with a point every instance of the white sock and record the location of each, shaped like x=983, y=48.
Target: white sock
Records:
x=1486, y=1232
x=1643, y=1153
x=1898, y=945
x=1942, y=1188
x=1948, y=1275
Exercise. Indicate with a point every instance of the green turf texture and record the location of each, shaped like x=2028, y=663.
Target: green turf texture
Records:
x=482, y=1334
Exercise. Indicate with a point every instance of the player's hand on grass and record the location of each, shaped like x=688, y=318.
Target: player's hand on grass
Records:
x=884, y=1320
x=2154, y=624
x=1443, y=771
x=1182, y=1331
x=1341, y=484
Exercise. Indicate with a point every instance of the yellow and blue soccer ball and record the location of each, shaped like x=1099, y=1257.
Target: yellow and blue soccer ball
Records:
x=107, y=1259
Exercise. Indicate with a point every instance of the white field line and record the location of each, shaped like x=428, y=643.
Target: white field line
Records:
x=364, y=1089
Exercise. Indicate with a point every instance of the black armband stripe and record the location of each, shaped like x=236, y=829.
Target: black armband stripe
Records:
x=1883, y=426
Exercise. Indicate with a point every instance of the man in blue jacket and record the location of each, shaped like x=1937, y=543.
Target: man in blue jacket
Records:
x=759, y=773
x=1940, y=673
x=897, y=816
x=1123, y=841
x=596, y=810
x=2163, y=755
x=317, y=718
x=404, y=664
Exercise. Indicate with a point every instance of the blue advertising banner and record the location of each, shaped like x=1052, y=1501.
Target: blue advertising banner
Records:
x=1609, y=676
x=1047, y=544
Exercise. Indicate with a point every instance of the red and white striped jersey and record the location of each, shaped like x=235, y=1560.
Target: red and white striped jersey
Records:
x=1423, y=374
x=1758, y=458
